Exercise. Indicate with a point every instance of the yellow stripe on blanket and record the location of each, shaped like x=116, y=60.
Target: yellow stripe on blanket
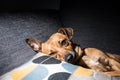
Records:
x=83, y=72
x=22, y=72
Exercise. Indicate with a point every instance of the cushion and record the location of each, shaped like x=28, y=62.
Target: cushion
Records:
x=43, y=67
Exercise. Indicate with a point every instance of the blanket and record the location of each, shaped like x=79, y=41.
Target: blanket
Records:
x=43, y=67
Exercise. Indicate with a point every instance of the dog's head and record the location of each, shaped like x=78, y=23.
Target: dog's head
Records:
x=59, y=45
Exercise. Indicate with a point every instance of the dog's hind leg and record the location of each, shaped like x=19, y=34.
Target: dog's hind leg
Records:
x=113, y=73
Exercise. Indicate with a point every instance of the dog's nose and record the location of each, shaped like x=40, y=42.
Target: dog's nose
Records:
x=69, y=57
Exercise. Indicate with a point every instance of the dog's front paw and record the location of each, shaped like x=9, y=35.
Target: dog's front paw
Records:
x=79, y=51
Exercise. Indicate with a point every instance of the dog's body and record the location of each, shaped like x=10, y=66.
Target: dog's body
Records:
x=60, y=46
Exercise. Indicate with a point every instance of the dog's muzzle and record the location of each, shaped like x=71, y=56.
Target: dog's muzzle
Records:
x=69, y=57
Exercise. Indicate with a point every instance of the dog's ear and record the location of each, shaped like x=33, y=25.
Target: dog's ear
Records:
x=35, y=44
x=66, y=31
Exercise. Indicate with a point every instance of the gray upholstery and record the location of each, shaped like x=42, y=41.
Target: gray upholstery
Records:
x=95, y=24
x=15, y=28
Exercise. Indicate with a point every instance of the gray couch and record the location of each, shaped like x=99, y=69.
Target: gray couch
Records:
x=93, y=28
x=15, y=28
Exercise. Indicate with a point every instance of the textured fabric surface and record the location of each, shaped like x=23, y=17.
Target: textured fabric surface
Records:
x=15, y=28
x=38, y=69
x=93, y=26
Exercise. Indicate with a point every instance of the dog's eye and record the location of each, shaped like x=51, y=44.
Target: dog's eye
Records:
x=52, y=53
x=63, y=42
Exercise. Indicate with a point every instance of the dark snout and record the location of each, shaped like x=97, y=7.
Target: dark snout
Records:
x=69, y=57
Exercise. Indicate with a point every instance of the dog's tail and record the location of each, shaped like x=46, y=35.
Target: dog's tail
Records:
x=114, y=56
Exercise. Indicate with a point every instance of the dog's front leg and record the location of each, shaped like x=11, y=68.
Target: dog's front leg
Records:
x=79, y=51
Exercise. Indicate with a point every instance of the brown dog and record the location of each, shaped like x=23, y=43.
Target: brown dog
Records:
x=60, y=46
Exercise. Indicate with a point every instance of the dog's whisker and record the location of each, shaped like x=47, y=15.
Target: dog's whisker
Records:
x=46, y=59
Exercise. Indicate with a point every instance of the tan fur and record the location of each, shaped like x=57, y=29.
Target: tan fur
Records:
x=60, y=46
